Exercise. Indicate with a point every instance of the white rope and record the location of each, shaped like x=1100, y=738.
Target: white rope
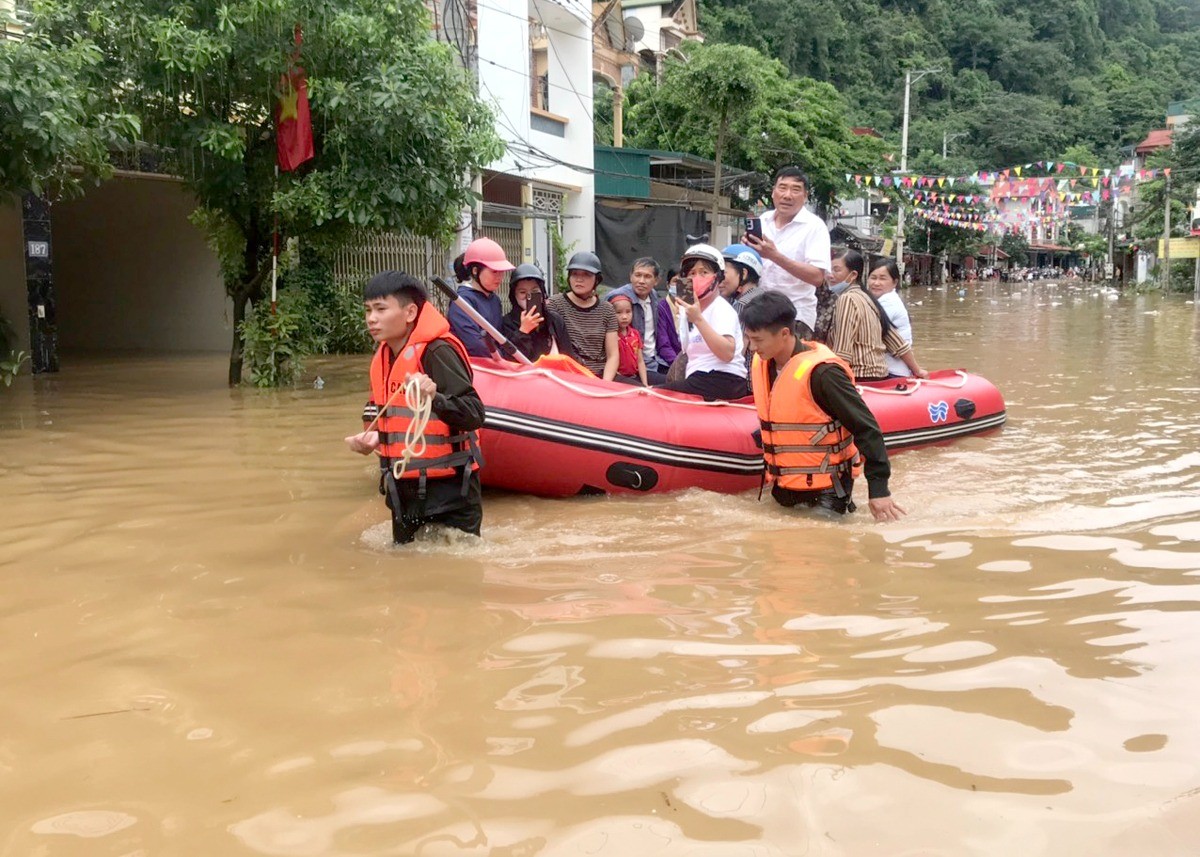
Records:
x=917, y=383
x=615, y=394
x=414, y=436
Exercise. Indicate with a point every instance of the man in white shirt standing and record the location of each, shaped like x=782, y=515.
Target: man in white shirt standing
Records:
x=794, y=245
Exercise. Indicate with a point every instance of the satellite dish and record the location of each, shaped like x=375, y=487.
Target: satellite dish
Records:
x=634, y=30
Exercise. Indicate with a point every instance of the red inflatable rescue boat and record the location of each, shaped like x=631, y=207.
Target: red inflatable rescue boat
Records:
x=555, y=430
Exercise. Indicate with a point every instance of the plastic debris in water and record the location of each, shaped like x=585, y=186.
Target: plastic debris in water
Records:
x=319, y=384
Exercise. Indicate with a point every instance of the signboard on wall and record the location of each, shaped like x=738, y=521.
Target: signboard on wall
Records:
x=1181, y=248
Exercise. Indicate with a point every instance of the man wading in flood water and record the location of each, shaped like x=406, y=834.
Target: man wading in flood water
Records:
x=814, y=422
x=439, y=484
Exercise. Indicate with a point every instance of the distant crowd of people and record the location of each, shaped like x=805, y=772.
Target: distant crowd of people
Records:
x=778, y=316
x=1028, y=275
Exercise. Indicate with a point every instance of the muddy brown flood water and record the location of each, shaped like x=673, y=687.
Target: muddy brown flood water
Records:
x=211, y=649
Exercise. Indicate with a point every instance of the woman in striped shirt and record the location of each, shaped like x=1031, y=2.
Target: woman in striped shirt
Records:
x=591, y=323
x=862, y=334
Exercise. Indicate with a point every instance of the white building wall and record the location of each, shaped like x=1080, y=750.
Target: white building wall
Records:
x=503, y=51
x=652, y=19
x=534, y=153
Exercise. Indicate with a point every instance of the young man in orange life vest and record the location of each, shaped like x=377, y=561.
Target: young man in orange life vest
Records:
x=441, y=485
x=814, y=422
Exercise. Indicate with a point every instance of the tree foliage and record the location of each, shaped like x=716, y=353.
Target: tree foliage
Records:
x=770, y=118
x=1148, y=220
x=1025, y=79
x=397, y=125
x=56, y=129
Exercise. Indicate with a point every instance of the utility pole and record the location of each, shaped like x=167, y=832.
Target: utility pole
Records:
x=1196, y=280
x=947, y=137
x=1112, y=228
x=1166, y=265
x=908, y=82
x=1195, y=233
x=618, y=117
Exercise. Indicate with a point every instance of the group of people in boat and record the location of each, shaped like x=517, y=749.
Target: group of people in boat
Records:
x=777, y=316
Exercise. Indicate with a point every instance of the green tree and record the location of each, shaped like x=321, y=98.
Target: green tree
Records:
x=1183, y=159
x=1079, y=153
x=56, y=129
x=1016, y=245
x=704, y=94
x=1148, y=218
x=765, y=119
x=396, y=122
x=1095, y=72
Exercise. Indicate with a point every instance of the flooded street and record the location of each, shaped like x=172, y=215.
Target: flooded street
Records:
x=211, y=647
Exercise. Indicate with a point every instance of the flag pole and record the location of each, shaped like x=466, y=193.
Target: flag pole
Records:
x=275, y=248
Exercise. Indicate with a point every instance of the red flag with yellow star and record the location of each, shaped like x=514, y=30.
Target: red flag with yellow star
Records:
x=293, y=122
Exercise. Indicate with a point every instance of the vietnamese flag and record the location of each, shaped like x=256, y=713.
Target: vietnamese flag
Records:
x=293, y=122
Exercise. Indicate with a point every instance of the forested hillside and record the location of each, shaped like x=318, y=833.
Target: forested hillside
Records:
x=1021, y=80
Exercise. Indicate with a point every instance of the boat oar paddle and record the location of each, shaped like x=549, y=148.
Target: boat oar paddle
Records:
x=474, y=315
x=392, y=398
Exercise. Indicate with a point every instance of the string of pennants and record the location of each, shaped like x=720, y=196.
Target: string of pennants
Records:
x=946, y=220
x=1096, y=176
x=1063, y=192
x=980, y=220
x=938, y=200
x=969, y=216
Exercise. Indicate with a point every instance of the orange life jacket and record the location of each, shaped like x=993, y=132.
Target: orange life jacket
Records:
x=445, y=448
x=563, y=363
x=802, y=445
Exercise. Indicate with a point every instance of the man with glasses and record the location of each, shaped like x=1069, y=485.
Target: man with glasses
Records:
x=794, y=245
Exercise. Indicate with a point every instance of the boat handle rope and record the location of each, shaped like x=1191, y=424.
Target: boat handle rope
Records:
x=591, y=394
x=918, y=383
x=650, y=391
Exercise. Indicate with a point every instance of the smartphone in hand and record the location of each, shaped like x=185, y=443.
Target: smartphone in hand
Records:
x=754, y=227
x=685, y=289
x=536, y=301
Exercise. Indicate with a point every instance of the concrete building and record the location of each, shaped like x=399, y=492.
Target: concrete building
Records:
x=665, y=25
x=533, y=63
x=130, y=272
x=534, y=66
x=1181, y=113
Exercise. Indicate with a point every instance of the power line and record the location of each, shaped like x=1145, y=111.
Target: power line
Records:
x=529, y=20
x=521, y=72
x=553, y=50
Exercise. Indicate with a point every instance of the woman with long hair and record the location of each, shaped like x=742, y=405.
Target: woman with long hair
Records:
x=860, y=332
x=882, y=283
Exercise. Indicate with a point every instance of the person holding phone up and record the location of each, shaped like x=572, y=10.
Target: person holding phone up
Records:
x=528, y=324
x=714, y=343
x=793, y=244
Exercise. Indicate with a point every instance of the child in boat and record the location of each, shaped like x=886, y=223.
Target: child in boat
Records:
x=631, y=366
x=440, y=484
